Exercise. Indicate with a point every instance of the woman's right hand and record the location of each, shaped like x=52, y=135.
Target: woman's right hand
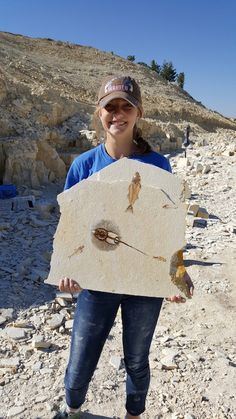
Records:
x=69, y=285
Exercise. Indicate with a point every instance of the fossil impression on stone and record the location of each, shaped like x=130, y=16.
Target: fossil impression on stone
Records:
x=120, y=231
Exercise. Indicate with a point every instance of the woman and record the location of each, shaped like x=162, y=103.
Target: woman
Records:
x=119, y=109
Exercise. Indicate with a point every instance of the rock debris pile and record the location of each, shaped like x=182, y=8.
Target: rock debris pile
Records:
x=193, y=355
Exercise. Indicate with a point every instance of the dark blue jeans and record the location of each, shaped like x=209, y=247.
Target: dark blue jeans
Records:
x=94, y=316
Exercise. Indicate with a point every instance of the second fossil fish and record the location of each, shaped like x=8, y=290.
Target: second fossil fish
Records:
x=133, y=192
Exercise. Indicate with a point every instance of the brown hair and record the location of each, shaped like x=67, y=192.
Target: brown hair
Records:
x=143, y=147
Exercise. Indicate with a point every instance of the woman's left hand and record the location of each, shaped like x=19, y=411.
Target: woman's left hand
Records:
x=178, y=298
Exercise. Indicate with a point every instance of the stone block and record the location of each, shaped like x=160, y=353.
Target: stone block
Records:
x=23, y=202
x=193, y=209
x=15, y=333
x=125, y=238
x=39, y=342
x=202, y=213
x=55, y=321
x=199, y=168
x=199, y=222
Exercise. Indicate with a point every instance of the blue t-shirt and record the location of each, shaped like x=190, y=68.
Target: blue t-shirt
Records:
x=97, y=158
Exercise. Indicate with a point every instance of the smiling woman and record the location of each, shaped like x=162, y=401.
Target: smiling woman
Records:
x=119, y=109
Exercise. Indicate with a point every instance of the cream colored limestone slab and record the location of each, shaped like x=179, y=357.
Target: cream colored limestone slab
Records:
x=119, y=229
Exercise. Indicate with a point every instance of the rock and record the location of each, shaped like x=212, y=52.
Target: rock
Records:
x=193, y=209
x=231, y=228
x=199, y=168
x=15, y=333
x=199, y=222
x=182, y=163
x=61, y=301
x=73, y=257
x=65, y=296
x=37, y=366
x=202, y=213
x=116, y=362
x=9, y=362
x=2, y=320
x=206, y=169
x=8, y=313
x=55, y=321
x=39, y=342
x=41, y=399
x=15, y=411
x=23, y=202
x=69, y=324
x=170, y=353
x=168, y=363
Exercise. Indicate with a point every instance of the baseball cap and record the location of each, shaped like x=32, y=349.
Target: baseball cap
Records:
x=123, y=87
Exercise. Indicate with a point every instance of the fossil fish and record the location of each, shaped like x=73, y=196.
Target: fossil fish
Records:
x=77, y=251
x=168, y=206
x=160, y=258
x=134, y=189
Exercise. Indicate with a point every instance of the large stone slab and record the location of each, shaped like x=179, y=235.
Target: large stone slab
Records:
x=120, y=231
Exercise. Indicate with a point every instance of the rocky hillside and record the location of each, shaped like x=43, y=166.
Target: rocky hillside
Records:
x=47, y=99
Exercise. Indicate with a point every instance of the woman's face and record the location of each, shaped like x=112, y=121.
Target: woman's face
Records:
x=119, y=117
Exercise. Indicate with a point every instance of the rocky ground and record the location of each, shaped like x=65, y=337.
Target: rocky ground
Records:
x=192, y=357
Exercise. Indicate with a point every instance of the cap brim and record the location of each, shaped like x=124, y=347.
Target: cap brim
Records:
x=118, y=95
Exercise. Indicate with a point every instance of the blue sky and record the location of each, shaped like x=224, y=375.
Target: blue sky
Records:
x=198, y=36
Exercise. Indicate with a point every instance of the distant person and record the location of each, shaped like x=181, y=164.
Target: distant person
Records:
x=119, y=109
x=186, y=141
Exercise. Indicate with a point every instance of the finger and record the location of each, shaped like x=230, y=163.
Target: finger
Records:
x=77, y=287
x=176, y=299
x=74, y=287
x=61, y=285
x=64, y=284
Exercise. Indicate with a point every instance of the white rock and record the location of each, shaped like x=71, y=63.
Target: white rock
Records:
x=199, y=168
x=168, y=363
x=206, y=169
x=116, y=362
x=15, y=333
x=8, y=312
x=9, y=362
x=15, y=411
x=55, y=321
x=39, y=342
x=2, y=320
x=69, y=324
x=37, y=366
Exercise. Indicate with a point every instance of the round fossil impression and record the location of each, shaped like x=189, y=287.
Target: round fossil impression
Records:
x=105, y=235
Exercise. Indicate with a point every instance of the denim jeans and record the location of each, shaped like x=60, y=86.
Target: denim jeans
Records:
x=94, y=316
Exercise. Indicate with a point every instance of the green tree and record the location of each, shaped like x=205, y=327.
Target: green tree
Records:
x=155, y=67
x=131, y=58
x=168, y=72
x=180, y=80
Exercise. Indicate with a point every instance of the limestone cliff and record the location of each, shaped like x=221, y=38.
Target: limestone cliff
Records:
x=47, y=99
